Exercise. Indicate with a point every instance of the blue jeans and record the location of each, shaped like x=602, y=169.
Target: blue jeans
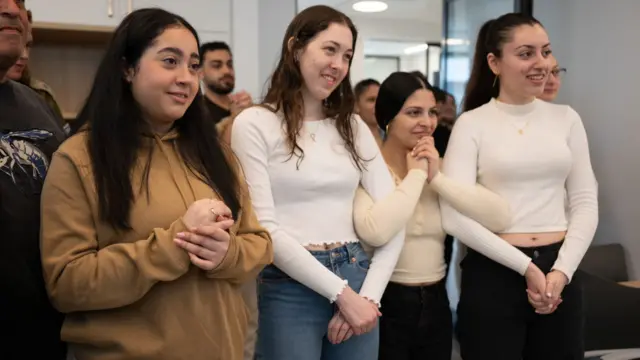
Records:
x=293, y=319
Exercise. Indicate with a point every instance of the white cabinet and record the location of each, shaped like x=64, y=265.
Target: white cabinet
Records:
x=79, y=12
x=204, y=15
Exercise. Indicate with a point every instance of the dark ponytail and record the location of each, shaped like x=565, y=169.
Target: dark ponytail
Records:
x=491, y=38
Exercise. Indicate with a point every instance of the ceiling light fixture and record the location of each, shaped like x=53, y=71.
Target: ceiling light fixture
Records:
x=370, y=6
x=416, y=49
x=456, y=42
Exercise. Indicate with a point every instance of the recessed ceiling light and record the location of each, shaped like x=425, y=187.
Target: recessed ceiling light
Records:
x=370, y=6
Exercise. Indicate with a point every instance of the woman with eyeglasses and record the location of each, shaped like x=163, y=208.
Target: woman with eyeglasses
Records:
x=554, y=81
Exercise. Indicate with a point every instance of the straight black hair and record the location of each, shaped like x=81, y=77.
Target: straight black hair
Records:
x=394, y=92
x=113, y=120
x=423, y=79
x=491, y=39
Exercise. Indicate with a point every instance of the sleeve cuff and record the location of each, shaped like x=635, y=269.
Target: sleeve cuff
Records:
x=437, y=180
x=558, y=266
x=418, y=173
x=178, y=256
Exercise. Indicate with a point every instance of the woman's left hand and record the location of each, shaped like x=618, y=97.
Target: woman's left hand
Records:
x=339, y=329
x=556, y=281
x=207, y=245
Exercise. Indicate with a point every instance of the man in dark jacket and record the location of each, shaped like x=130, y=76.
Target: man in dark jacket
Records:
x=29, y=134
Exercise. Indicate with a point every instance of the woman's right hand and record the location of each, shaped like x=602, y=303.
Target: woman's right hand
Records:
x=205, y=212
x=359, y=312
x=536, y=287
x=425, y=156
x=417, y=162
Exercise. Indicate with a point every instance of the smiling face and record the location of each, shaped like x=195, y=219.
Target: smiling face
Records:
x=165, y=81
x=16, y=71
x=554, y=82
x=417, y=118
x=325, y=61
x=524, y=65
x=12, y=28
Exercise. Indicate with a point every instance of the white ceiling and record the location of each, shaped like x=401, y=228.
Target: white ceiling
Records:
x=425, y=10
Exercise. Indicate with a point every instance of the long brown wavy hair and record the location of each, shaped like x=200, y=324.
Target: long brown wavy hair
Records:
x=285, y=89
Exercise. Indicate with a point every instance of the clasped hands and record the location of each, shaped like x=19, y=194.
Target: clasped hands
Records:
x=207, y=238
x=356, y=315
x=544, y=292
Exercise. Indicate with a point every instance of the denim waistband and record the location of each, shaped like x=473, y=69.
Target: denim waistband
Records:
x=345, y=253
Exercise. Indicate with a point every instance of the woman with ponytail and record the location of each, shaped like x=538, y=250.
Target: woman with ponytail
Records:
x=519, y=296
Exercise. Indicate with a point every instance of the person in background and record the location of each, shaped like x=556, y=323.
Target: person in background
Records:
x=416, y=321
x=448, y=110
x=519, y=296
x=29, y=134
x=554, y=81
x=20, y=72
x=218, y=76
x=147, y=227
x=366, y=92
x=304, y=154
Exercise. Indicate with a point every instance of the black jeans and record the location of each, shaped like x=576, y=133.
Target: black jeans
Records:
x=496, y=321
x=416, y=323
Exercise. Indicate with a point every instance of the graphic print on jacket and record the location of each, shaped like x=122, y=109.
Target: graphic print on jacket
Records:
x=22, y=160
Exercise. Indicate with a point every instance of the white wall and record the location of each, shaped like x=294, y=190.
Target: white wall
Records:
x=597, y=41
x=393, y=30
x=273, y=25
x=256, y=37
x=244, y=45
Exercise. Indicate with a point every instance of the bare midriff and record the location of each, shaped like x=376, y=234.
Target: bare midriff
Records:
x=533, y=239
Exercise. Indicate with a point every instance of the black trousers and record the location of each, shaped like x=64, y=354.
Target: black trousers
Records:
x=496, y=321
x=416, y=323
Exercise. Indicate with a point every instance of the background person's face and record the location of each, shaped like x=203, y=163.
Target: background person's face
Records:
x=218, y=73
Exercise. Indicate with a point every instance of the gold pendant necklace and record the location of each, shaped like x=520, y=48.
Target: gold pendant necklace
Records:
x=520, y=130
x=312, y=135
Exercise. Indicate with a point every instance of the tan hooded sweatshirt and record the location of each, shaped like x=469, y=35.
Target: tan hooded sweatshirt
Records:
x=135, y=295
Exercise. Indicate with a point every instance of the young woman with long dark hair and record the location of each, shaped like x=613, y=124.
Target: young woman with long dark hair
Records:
x=304, y=154
x=519, y=297
x=147, y=227
x=416, y=321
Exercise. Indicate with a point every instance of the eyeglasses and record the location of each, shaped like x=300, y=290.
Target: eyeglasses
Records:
x=558, y=72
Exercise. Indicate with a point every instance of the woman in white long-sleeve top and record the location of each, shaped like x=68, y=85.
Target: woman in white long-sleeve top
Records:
x=529, y=152
x=416, y=321
x=304, y=154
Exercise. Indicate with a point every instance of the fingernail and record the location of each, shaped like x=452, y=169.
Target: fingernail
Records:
x=548, y=294
x=550, y=306
x=181, y=234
